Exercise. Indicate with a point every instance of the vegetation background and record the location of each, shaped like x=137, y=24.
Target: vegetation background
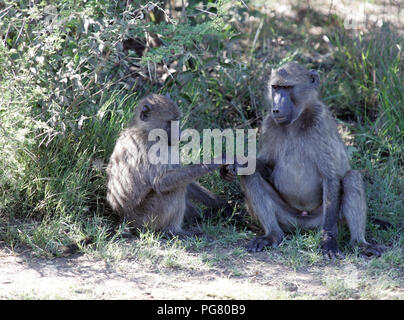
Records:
x=71, y=73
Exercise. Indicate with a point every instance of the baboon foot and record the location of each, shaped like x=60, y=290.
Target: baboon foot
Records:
x=259, y=243
x=329, y=247
x=372, y=249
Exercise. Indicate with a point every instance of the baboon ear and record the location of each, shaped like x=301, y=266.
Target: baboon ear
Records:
x=144, y=113
x=315, y=78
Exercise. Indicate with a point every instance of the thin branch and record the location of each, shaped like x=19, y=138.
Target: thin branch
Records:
x=205, y=11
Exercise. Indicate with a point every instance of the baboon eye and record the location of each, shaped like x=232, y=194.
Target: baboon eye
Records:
x=281, y=87
x=144, y=113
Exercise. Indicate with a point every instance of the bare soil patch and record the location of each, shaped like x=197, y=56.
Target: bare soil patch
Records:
x=82, y=276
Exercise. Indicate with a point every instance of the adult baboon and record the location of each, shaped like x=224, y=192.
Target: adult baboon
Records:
x=150, y=195
x=303, y=175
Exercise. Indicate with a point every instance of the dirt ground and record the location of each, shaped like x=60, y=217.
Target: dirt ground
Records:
x=81, y=276
x=23, y=276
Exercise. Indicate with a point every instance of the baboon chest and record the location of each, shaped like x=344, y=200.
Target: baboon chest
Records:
x=298, y=181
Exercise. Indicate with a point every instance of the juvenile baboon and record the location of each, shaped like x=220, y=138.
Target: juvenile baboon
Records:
x=303, y=175
x=157, y=196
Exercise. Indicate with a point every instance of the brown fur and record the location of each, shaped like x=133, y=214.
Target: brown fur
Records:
x=156, y=196
x=304, y=177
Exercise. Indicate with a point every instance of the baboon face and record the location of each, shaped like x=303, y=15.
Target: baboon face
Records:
x=157, y=112
x=292, y=88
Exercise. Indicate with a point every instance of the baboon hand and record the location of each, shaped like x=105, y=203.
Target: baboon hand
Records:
x=329, y=247
x=259, y=243
x=228, y=172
